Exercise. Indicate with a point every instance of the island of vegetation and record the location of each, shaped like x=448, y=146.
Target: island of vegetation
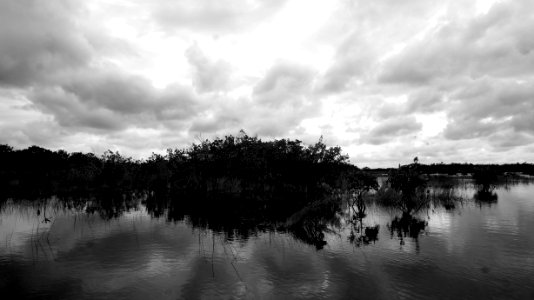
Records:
x=242, y=183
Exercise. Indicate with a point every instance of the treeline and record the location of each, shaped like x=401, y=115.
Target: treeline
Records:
x=234, y=164
x=466, y=168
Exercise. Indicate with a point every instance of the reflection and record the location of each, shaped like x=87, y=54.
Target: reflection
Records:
x=310, y=231
x=406, y=226
x=237, y=217
x=485, y=197
x=445, y=196
x=114, y=204
x=109, y=259
x=45, y=218
x=360, y=235
x=312, y=222
x=486, y=181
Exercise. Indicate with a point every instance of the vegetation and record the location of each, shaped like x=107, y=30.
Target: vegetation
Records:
x=468, y=169
x=233, y=164
x=485, y=178
x=242, y=184
x=405, y=188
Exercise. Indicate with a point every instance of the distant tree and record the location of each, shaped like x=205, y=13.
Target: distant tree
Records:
x=5, y=149
x=485, y=178
x=409, y=182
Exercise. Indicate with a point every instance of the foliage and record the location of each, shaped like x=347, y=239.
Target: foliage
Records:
x=485, y=178
x=409, y=186
x=467, y=169
x=234, y=164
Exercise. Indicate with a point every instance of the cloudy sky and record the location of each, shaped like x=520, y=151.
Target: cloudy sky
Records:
x=387, y=80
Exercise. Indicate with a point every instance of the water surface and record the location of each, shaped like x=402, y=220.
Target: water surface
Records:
x=476, y=248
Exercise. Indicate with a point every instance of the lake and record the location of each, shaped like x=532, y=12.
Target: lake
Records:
x=472, y=248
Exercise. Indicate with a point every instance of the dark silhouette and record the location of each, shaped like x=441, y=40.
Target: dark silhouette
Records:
x=236, y=164
x=485, y=178
x=485, y=197
x=504, y=171
x=405, y=189
x=406, y=226
x=240, y=185
x=445, y=195
x=359, y=234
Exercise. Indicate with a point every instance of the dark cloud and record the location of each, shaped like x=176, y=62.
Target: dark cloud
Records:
x=354, y=59
x=469, y=129
x=391, y=129
x=508, y=140
x=370, y=29
x=493, y=44
x=208, y=75
x=478, y=70
x=38, y=39
x=110, y=101
x=114, y=91
x=50, y=51
x=284, y=84
x=210, y=125
x=177, y=102
x=426, y=100
x=70, y=111
x=489, y=105
x=397, y=126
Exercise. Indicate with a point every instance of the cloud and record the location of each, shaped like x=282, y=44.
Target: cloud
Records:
x=284, y=84
x=38, y=40
x=492, y=44
x=113, y=101
x=390, y=129
x=506, y=140
x=354, y=60
x=70, y=111
x=283, y=98
x=215, y=124
x=280, y=100
x=208, y=75
x=425, y=100
x=488, y=105
x=214, y=17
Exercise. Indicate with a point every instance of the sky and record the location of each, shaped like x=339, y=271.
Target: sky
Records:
x=387, y=80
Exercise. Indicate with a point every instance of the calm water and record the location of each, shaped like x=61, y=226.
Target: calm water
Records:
x=474, y=250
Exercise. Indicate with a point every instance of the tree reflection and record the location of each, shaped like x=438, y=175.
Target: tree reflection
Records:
x=113, y=205
x=360, y=234
x=406, y=226
x=486, y=181
x=446, y=196
x=237, y=217
x=485, y=197
x=310, y=223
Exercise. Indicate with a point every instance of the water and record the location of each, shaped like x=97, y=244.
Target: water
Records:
x=476, y=250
